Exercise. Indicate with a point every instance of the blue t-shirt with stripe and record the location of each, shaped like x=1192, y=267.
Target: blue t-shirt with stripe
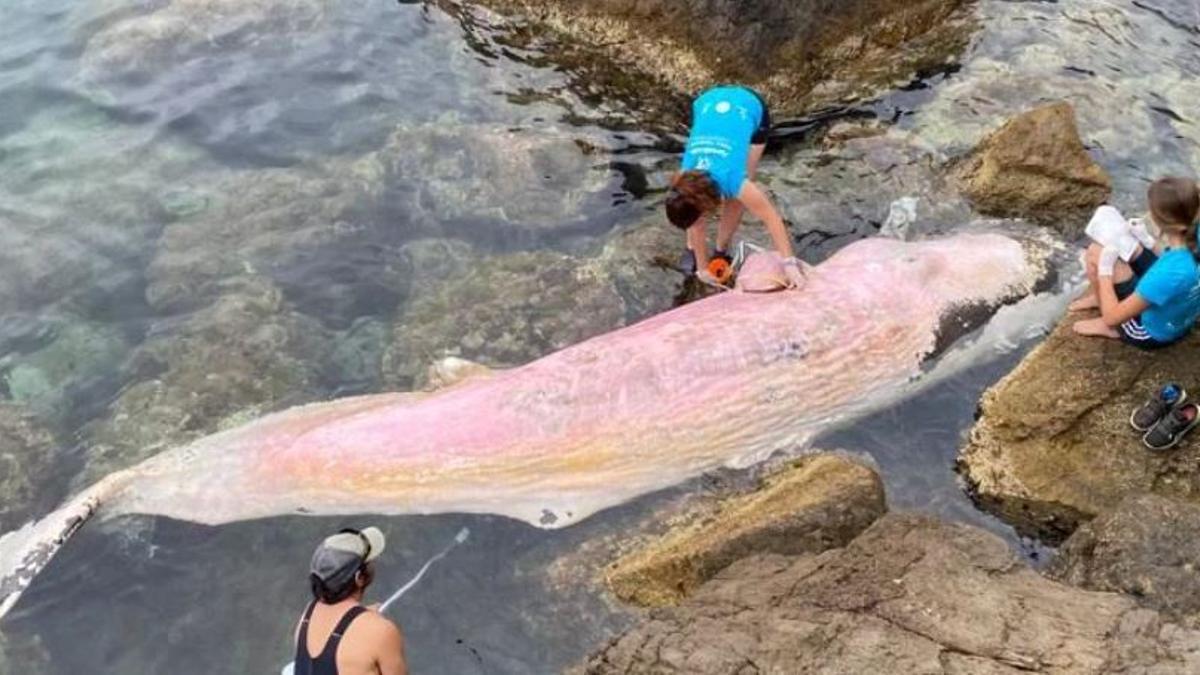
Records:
x=1172, y=287
x=724, y=120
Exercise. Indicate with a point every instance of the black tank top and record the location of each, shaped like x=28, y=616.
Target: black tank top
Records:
x=326, y=661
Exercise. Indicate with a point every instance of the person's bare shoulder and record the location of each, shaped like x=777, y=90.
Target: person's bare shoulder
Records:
x=379, y=625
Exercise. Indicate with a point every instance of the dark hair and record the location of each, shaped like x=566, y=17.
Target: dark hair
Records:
x=342, y=587
x=693, y=194
x=1175, y=204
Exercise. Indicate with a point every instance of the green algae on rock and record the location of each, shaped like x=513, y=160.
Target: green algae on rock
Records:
x=817, y=503
x=909, y=595
x=1053, y=448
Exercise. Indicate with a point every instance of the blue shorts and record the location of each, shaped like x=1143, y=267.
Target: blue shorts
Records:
x=1132, y=331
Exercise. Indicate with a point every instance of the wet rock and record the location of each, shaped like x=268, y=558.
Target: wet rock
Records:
x=246, y=354
x=448, y=176
x=27, y=454
x=274, y=223
x=801, y=54
x=818, y=503
x=1035, y=166
x=506, y=310
x=127, y=42
x=1147, y=547
x=910, y=595
x=356, y=358
x=1053, y=448
x=71, y=360
x=638, y=258
x=839, y=193
x=21, y=654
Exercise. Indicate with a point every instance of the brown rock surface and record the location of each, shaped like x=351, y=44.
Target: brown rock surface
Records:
x=1148, y=547
x=1035, y=166
x=818, y=503
x=1053, y=447
x=910, y=595
x=800, y=54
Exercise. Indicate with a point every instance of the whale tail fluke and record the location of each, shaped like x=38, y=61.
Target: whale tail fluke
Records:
x=26, y=551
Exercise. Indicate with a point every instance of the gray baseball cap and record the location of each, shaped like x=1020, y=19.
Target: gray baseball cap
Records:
x=340, y=555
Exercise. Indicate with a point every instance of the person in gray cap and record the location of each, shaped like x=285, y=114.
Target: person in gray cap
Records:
x=338, y=635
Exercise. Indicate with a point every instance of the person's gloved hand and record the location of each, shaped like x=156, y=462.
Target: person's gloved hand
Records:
x=1108, y=260
x=706, y=277
x=1137, y=227
x=794, y=270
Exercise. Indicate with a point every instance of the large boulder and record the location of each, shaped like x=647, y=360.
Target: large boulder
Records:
x=1053, y=448
x=1035, y=166
x=1147, y=547
x=819, y=502
x=910, y=595
x=27, y=454
x=246, y=354
x=800, y=54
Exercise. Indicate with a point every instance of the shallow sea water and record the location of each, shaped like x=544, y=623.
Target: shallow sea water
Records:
x=122, y=118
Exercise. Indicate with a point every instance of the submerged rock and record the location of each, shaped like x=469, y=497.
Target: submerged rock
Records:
x=507, y=310
x=1036, y=167
x=74, y=360
x=910, y=595
x=246, y=354
x=25, y=655
x=1147, y=547
x=27, y=455
x=801, y=54
x=449, y=175
x=166, y=34
x=638, y=258
x=818, y=503
x=1053, y=447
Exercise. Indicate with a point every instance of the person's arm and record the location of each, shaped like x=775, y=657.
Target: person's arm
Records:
x=391, y=655
x=696, y=242
x=754, y=199
x=1115, y=312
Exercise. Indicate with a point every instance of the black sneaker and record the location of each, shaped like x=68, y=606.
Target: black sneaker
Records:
x=1172, y=427
x=687, y=262
x=1158, y=405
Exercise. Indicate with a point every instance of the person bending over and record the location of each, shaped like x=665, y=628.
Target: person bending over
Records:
x=1154, y=299
x=728, y=135
x=337, y=635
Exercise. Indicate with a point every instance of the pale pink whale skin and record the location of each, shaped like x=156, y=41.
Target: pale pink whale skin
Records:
x=724, y=381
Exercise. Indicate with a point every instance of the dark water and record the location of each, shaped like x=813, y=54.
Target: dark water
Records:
x=125, y=124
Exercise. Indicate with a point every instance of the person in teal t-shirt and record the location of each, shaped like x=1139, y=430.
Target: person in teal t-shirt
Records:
x=729, y=132
x=1155, y=299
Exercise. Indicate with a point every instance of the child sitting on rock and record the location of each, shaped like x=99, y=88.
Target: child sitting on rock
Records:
x=1153, y=300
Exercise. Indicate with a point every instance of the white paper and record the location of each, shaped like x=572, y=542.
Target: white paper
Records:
x=1109, y=228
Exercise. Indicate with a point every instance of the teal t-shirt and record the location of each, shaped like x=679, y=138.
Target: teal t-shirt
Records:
x=1172, y=287
x=724, y=120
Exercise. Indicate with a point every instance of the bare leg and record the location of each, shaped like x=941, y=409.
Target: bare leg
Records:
x=1095, y=328
x=731, y=212
x=1089, y=299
